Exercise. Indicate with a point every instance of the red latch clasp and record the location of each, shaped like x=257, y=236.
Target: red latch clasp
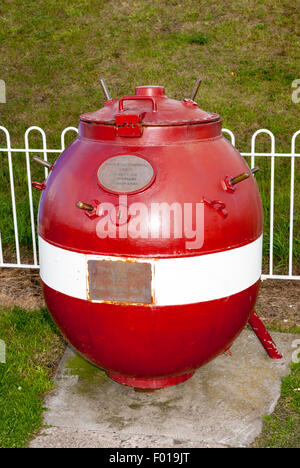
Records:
x=39, y=185
x=128, y=125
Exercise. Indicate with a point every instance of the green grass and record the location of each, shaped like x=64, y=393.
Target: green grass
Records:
x=33, y=347
x=277, y=327
x=247, y=53
x=281, y=429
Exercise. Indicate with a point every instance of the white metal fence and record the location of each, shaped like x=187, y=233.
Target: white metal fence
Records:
x=45, y=151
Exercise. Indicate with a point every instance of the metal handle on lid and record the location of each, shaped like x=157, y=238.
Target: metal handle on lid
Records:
x=138, y=98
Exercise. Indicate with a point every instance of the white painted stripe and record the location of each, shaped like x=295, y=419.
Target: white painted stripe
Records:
x=63, y=270
x=180, y=280
x=204, y=278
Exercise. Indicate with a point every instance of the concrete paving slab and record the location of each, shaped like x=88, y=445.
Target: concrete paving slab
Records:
x=222, y=405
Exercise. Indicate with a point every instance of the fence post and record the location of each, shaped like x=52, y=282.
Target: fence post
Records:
x=62, y=137
x=291, y=225
x=253, y=141
x=12, y=192
x=30, y=186
x=229, y=132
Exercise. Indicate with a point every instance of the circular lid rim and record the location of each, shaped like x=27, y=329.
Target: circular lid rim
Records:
x=157, y=123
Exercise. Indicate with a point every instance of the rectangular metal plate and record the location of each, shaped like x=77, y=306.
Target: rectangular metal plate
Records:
x=119, y=281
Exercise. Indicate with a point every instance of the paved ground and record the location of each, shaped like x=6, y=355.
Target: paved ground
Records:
x=220, y=406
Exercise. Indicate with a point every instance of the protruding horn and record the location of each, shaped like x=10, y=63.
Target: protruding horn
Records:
x=243, y=176
x=84, y=206
x=41, y=161
x=254, y=169
x=239, y=178
x=105, y=89
x=195, y=89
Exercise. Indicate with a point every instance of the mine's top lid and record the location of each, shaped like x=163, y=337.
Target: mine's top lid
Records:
x=152, y=107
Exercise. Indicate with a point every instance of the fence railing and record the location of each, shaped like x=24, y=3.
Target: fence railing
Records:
x=45, y=151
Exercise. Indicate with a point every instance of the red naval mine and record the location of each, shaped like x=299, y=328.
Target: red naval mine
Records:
x=150, y=239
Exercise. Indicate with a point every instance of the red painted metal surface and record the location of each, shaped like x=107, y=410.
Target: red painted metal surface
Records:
x=151, y=346
x=209, y=162
x=151, y=342
x=152, y=383
x=263, y=336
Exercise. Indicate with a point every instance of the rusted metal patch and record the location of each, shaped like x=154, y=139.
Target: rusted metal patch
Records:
x=119, y=281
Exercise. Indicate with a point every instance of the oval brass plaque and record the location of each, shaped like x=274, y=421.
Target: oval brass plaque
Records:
x=125, y=174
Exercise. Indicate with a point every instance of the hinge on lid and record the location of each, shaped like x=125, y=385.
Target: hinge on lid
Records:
x=128, y=125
